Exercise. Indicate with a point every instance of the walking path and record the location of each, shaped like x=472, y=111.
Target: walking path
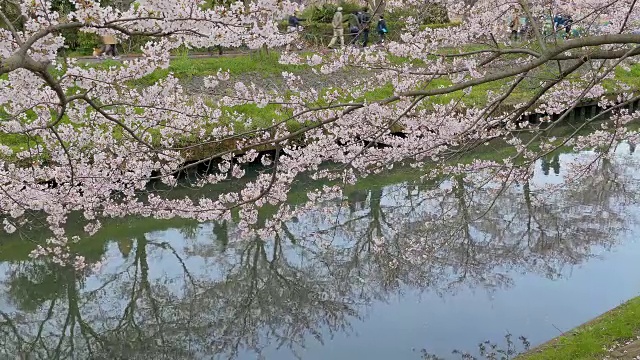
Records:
x=91, y=59
x=207, y=55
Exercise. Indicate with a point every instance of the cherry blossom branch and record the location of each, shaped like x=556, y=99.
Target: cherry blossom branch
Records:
x=550, y=54
x=498, y=51
x=626, y=18
x=578, y=99
x=547, y=86
x=494, y=105
x=534, y=24
x=107, y=116
x=67, y=154
x=12, y=28
x=246, y=134
x=267, y=190
x=586, y=123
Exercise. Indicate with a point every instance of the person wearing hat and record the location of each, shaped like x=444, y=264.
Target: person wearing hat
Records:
x=110, y=46
x=338, y=30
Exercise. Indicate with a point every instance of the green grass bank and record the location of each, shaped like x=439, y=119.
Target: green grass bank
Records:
x=595, y=339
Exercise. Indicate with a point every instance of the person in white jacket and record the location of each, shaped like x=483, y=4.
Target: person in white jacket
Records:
x=338, y=30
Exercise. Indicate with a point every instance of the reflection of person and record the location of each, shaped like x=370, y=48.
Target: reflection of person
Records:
x=553, y=164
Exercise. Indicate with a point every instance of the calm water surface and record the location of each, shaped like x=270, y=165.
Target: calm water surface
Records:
x=392, y=269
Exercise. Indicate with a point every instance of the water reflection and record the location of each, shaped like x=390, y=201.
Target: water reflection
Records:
x=201, y=291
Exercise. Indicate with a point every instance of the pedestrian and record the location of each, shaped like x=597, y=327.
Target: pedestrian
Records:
x=110, y=44
x=558, y=22
x=294, y=26
x=294, y=23
x=354, y=27
x=382, y=28
x=354, y=31
x=365, y=24
x=567, y=23
x=97, y=52
x=524, y=27
x=338, y=30
x=513, y=26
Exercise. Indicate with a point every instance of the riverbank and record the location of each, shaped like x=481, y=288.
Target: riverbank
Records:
x=612, y=335
x=265, y=71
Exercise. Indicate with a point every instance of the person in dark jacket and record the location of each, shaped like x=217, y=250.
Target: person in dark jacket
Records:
x=365, y=25
x=558, y=22
x=354, y=32
x=294, y=22
x=294, y=26
x=382, y=28
x=354, y=27
x=568, y=21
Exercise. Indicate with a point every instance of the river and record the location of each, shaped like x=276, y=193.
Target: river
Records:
x=390, y=270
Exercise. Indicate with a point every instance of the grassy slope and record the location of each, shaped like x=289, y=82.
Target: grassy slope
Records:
x=267, y=65
x=590, y=341
x=185, y=67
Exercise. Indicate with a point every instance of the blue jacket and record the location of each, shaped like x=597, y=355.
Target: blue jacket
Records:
x=382, y=27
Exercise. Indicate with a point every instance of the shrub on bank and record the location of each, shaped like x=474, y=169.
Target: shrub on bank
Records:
x=324, y=13
x=427, y=14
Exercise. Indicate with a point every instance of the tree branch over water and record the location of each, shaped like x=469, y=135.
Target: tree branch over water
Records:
x=104, y=132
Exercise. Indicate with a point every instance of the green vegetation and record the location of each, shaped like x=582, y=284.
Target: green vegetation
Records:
x=266, y=65
x=184, y=67
x=590, y=341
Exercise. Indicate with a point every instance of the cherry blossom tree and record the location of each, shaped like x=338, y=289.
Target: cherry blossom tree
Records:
x=82, y=139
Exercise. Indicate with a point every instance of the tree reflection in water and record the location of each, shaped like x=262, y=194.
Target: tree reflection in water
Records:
x=205, y=292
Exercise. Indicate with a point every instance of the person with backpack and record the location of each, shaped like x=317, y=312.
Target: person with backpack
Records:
x=382, y=28
x=338, y=30
x=294, y=23
x=354, y=27
x=567, y=25
x=364, y=19
x=294, y=26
